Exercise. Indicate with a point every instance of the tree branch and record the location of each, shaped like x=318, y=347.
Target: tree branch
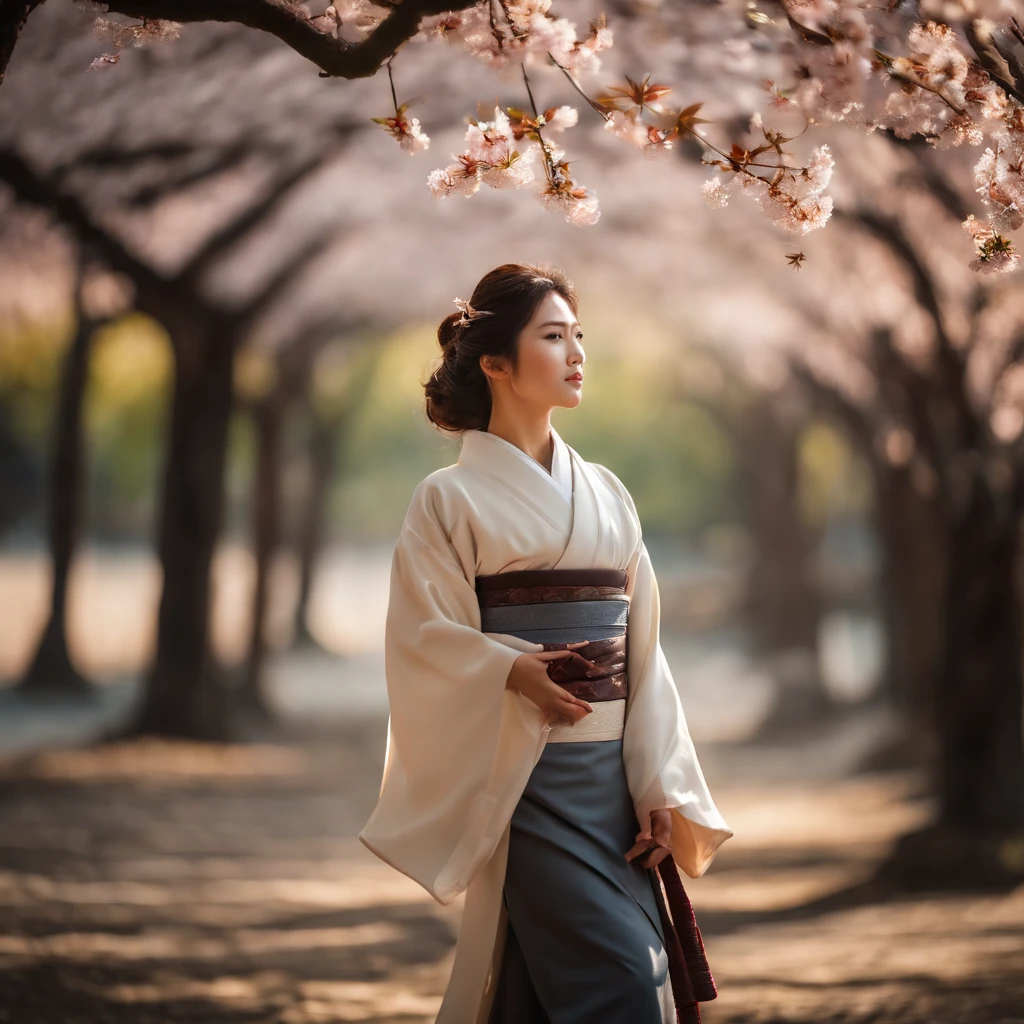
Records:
x=857, y=422
x=936, y=185
x=13, y=15
x=280, y=281
x=889, y=231
x=37, y=189
x=337, y=58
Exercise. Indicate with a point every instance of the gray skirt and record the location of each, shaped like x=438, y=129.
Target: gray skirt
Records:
x=585, y=943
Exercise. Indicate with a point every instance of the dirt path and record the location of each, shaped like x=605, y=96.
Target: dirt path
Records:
x=158, y=882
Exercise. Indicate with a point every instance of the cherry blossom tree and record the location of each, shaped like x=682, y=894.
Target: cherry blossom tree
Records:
x=940, y=420
x=285, y=388
x=948, y=71
x=98, y=299
x=182, y=694
x=516, y=148
x=922, y=414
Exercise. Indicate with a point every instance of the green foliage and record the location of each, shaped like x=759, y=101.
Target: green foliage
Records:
x=834, y=482
x=30, y=360
x=388, y=446
x=672, y=454
x=130, y=376
x=125, y=401
x=673, y=457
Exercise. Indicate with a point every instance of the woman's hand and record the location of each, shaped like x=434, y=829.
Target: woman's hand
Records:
x=657, y=840
x=529, y=676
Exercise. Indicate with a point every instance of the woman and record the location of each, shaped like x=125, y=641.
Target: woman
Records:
x=538, y=758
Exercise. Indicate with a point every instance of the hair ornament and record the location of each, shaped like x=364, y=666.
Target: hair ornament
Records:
x=469, y=313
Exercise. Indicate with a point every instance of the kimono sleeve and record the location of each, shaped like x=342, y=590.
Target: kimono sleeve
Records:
x=446, y=691
x=658, y=754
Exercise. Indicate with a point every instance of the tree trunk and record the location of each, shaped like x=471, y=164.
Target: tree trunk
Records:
x=266, y=508
x=913, y=582
x=913, y=576
x=52, y=670
x=782, y=598
x=321, y=456
x=981, y=700
x=979, y=771
x=184, y=694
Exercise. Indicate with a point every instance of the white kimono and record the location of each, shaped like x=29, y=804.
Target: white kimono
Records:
x=460, y=746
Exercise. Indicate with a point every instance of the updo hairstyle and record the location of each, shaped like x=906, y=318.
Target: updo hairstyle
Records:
x=458, y=393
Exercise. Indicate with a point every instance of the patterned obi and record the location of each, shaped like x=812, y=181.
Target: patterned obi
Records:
x=556, y=607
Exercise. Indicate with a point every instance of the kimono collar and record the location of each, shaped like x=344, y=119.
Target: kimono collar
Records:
x=600, y=528
x=482, y=447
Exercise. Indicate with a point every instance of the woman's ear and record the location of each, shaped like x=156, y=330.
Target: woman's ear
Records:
x=491, y=366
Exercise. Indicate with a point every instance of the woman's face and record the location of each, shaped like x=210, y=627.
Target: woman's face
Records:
x=550, y=352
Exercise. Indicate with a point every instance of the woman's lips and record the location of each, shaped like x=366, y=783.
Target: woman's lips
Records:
x=576, y=378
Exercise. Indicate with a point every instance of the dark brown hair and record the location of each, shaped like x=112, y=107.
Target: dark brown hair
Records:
x=502, y=304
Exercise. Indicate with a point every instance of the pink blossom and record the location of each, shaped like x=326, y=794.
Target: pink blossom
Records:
x=806, y=215
x=796, y=216
x=414, y=140
x=563, y=117
x=935, y=46
x=556, y=36
x=534, y=34
x=490, y=141
x=579, y=210
x=512, y=172
x=405, y=130
x=462, y=178
x=521, y=11
x=996, y=254
x=959, y=129
x=716, y=195
x=626, y=125
x=656, y=144
x=104, y=60
x=815, y=177
x=998, y=263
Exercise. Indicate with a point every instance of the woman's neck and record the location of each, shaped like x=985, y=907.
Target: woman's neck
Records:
x=534, y=438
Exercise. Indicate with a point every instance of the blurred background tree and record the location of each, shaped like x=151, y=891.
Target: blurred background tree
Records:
x=808, y=444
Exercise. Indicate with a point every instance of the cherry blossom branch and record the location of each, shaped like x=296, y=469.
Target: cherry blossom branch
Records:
x=391, y=82
x=406, y=130
x=681, y=126
x=548, y=168
x=572, y=81
x=902, y=70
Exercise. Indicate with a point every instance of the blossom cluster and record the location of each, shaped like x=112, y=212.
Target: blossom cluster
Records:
x=148, y=30
x=502, y=153
x=514, y=150
x=529, y=35
x=793, y=198
x=949, y=87
x=948, y=71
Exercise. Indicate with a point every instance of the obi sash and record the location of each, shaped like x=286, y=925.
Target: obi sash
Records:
x=557, y=607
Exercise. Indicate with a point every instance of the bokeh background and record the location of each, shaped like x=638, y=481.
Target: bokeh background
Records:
x=219, y=289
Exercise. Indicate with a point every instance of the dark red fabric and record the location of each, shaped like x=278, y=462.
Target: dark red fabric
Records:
x=593, y=673
x=688, y=968
x=553, y=578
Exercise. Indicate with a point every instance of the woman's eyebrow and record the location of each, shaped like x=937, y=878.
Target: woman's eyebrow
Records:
x=558, y=323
